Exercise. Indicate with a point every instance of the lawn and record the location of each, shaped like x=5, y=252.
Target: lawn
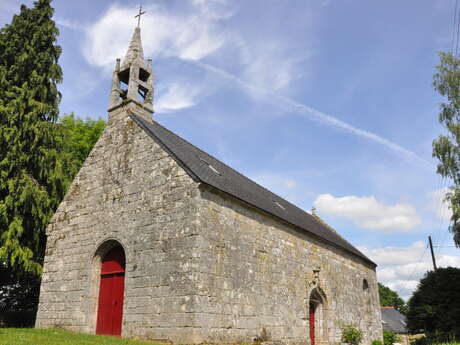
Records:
x=30, y=336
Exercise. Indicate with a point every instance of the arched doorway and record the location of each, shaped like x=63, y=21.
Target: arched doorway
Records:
x=111, y=292
x=317, y=317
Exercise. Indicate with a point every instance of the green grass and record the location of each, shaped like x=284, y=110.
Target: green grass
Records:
x=30, y=336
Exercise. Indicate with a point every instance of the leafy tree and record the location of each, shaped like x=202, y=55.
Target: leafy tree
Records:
x=79, y=137
x=435, y=306
x=390, y=298
x=446, y=147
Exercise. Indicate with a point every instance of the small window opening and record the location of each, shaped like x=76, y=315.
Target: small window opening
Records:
x=123, y=76
x=279, y=205
x=211, y=167
x=141, y=93
x=143, y=75
x=365, y=285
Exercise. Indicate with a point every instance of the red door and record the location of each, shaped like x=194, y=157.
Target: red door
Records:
x=111, y=291
x=312, y=324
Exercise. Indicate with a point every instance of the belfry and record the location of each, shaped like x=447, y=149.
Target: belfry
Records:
x=156, y=239
x=132, y=80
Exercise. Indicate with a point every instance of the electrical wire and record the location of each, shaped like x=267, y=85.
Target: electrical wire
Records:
x=454, y=28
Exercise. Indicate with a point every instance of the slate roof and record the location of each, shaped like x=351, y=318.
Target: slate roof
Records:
x=393, y=320
x=204, y=168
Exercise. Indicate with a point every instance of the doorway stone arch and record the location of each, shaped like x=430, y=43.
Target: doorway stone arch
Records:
x=102, y=251
x=317, y=306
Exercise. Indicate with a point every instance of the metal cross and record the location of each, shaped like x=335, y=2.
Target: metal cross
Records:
x=138, y=16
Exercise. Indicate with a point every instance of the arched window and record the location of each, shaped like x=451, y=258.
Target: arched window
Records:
x=365, y=285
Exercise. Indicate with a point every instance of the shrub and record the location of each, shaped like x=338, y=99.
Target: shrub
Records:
x=377, y=342
x=389, y=338
x=351, y=335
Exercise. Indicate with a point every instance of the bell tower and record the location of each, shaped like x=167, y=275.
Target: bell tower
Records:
x=132, y=82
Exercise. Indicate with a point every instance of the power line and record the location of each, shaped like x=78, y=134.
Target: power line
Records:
x=454, y=27
x=458, y=29
x=415, y=267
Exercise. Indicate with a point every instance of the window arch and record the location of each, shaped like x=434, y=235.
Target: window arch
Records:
x=365, y=285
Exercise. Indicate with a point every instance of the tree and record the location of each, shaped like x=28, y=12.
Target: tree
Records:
x=446, y=147
x=76, y=138
x=435, y=305
x=31, y=174
x=389, y=298
x=39, y=156
x=79, y=137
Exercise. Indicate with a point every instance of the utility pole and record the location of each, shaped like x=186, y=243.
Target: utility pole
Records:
x=432, y=253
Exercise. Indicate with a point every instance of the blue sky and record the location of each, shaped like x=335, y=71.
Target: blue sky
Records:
x=327, y=103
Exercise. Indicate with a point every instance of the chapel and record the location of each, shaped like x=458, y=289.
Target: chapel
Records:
x=156, y=239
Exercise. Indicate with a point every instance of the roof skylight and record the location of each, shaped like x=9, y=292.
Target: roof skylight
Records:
x=214, y=170
x=279, y=205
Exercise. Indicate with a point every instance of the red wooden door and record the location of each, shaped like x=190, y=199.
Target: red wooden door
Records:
x=111, y=291
x=312, y=324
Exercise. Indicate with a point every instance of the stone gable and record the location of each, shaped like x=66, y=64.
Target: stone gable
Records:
x=129, y=190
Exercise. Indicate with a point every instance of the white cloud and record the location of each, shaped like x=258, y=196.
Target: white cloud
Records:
x=176, y=96
x=216, y=9
x=190, y=36
x=70, y=24
x=271, y=65
x=401, y=268
x=439, y=206
x=367, y=212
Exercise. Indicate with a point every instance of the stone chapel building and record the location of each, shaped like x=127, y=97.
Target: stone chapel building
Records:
x=156, y=239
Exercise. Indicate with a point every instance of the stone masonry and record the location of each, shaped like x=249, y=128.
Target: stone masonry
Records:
x=201, y=265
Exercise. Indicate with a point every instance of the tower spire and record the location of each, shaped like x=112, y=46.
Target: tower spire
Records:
x=132, y=80
x=135, y=51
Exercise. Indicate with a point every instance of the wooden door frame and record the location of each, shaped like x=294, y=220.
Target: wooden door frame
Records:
x=112, y=269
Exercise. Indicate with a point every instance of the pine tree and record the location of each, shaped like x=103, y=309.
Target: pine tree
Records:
x=32, y=179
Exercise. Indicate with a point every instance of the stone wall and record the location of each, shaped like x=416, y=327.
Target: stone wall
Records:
x=129, y=190
x=256, y=275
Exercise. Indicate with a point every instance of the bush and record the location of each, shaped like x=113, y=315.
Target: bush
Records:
x=377, y=342
x=390, y=338
x=351, y=335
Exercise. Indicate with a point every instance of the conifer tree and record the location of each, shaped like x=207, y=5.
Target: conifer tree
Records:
x=32, y=181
